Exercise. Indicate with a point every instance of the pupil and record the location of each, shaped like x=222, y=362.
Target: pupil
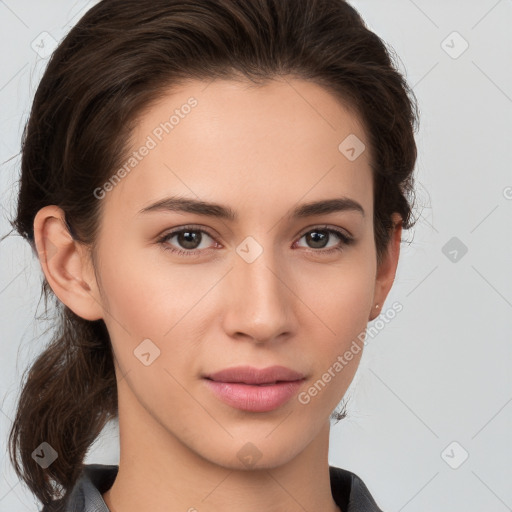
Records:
x=321, y=238
x=187, y=238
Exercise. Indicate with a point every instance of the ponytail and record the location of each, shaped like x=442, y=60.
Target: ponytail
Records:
x=68, y=396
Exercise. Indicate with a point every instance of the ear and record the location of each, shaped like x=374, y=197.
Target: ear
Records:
x=66, y=264
x=387, y=269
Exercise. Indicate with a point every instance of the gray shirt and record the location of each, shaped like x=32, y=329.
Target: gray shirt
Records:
x=348, y=490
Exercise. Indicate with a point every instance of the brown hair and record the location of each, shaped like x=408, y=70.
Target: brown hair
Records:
x=119, y=58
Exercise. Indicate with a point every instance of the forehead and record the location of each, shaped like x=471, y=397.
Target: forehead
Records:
x=254, y=147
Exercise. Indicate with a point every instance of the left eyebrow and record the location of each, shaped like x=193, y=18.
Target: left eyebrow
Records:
x=189, y=205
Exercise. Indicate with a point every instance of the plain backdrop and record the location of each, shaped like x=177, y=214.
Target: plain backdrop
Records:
x=430, y=409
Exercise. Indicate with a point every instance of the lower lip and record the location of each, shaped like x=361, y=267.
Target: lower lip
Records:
x=253, y=398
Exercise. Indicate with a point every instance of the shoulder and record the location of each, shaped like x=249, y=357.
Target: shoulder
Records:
x=350, y=492
x=85, y=495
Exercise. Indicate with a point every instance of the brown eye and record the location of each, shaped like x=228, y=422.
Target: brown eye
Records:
x=187, y=243
x=188, y=239
x=318, y=238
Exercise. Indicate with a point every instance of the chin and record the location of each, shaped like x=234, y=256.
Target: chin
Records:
x=252, y=455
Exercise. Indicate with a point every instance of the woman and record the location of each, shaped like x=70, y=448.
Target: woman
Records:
x=216, y=191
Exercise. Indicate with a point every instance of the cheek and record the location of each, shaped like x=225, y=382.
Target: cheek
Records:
x=148, y=292
x=340, y=295
x=339, y=345
x=157, y=300
x=339, y=302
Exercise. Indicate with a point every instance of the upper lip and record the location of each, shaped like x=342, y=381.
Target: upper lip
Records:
x=251, y=375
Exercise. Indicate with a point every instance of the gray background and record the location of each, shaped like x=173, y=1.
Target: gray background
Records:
x=434, y=385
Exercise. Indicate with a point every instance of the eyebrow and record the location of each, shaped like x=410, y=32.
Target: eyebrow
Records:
x=189, y=205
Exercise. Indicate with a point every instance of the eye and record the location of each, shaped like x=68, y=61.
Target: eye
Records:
x=318, y=238
x=189, y=238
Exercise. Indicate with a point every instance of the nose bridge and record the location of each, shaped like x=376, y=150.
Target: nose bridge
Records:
x=260, y=302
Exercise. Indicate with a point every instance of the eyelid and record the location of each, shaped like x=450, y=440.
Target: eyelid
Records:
x=187, y=227
x=312, y=227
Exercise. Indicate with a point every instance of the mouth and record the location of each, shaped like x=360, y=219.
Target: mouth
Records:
x=250, y=375
x=252, y=390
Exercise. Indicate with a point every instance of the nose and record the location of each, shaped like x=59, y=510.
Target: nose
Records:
x=259, y=301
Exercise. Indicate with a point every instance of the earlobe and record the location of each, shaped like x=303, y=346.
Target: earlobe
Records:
x=387, y=269
x=66, y=264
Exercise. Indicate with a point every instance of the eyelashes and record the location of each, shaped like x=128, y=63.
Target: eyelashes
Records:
x=324, y=231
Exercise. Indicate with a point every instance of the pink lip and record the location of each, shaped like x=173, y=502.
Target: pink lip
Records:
x=254, y=390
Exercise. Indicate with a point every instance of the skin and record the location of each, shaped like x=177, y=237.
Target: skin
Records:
x=260, y=151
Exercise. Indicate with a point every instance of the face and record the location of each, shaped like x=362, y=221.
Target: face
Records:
x=186, y=294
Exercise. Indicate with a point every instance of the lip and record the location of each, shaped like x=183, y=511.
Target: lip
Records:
x=251, y=375
x=251, y=389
